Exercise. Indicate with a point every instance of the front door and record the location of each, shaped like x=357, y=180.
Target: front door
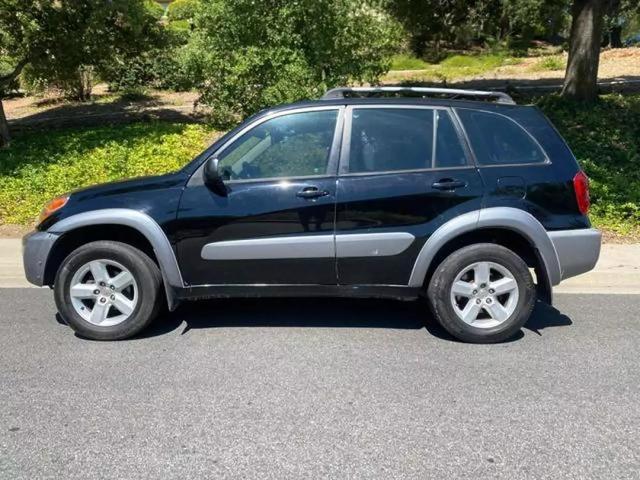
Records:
x=404, y=172
x=276, y=224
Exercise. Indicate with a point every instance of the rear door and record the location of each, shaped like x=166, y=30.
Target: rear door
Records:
x=404, y=171
x=276, y=224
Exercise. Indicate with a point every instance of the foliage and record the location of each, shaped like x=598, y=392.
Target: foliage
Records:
x=462, y=23
x=604, y=138
x=183, y=9
x=67, y=43
x=6, y=65
x=155, y=67
x=40, y=165
x=154, y=9
x=245, y=55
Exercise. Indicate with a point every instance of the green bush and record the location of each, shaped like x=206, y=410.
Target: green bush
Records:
x=246, y=55
x=183, y=9
x=39, y=166
x=154, y=9
x=604, y=138
x=156, y=67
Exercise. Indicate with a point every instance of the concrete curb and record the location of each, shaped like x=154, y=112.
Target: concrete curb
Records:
x=617, y=271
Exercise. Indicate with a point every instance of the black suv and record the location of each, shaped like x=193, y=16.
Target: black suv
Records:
x=454, y=195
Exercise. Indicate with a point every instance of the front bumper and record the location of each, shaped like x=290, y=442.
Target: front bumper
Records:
x=577, y=250
x=36, y=247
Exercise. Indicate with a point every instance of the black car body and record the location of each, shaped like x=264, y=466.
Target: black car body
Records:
x=346, y=196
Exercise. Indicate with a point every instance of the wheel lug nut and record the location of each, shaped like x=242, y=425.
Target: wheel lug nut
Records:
x=102, y=284
x=475, y=292
x=491, y=290
x=102, y=300
x=112, y=287
x=482, y=285
x=96, y=292
x=488, y=300
x=113, y=297
x=478, y=301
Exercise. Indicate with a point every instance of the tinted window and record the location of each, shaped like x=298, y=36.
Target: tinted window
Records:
x=294, y=145
x=497, y=140
x=449, y=151
x=385, y=139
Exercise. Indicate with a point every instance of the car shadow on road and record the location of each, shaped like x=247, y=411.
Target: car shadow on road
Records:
x=323, y=312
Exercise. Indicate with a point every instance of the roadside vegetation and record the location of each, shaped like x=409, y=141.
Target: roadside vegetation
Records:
x=41, y=165
x=406, y=67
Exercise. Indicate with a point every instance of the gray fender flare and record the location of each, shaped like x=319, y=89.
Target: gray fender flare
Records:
x=142, y=223
x=498, y=217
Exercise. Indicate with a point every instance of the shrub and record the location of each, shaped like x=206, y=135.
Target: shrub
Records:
x=245, y=55
x=183, y=9
x=154, y=9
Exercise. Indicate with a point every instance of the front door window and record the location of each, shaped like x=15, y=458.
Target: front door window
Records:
x=295, y=145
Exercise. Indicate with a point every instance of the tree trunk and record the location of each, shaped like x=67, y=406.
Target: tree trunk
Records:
x=5, y=137
x=581, y=77
x=616, y=37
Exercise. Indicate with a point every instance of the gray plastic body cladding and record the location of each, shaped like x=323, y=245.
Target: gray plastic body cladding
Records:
x=36, y=247
x=578, y=250
x=143, y=224
x=315, y=246
x=500, y=217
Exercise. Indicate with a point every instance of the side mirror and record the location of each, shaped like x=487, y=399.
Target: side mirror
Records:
x=212, y=177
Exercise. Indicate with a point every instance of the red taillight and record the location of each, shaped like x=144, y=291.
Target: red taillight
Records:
x=581, y=187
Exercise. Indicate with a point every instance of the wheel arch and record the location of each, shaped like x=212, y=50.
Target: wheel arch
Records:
x=513, y=228
x=128, y=226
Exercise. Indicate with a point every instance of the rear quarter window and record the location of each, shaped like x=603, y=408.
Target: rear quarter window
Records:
x=499, y=140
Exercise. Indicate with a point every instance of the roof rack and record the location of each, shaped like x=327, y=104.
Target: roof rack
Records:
x=452, y=93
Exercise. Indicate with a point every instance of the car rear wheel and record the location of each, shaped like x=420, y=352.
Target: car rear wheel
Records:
x=482, y=293
x=108, y=290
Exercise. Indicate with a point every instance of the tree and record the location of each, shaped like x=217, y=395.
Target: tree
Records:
x=581, y=77
x=65, y=41
x=245, y=55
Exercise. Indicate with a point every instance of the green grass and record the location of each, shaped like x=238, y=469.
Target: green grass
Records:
x=549, y=63
x=41, y=165
x=451, y=68
x=605, y=139
x=407, y=62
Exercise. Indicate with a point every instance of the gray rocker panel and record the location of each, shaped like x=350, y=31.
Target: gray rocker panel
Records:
x=498, y=217
x=142, y=223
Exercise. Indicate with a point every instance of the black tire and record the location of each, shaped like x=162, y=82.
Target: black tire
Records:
x=147, y=277
x=439, y=293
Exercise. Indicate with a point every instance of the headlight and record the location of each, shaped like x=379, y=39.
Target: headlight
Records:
x=53, y=206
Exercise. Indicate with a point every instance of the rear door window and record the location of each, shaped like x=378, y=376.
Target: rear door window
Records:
x=498, y=140
x=397, y=139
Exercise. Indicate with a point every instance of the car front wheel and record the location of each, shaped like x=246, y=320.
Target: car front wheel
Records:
x=482, y=293
x=108, y=290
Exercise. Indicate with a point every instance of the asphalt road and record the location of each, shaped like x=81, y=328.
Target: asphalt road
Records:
x=320, y=389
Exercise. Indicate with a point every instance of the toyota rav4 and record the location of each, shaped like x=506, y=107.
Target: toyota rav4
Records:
x=458, y=196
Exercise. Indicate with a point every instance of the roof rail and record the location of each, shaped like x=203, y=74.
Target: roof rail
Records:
x=453, y=93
